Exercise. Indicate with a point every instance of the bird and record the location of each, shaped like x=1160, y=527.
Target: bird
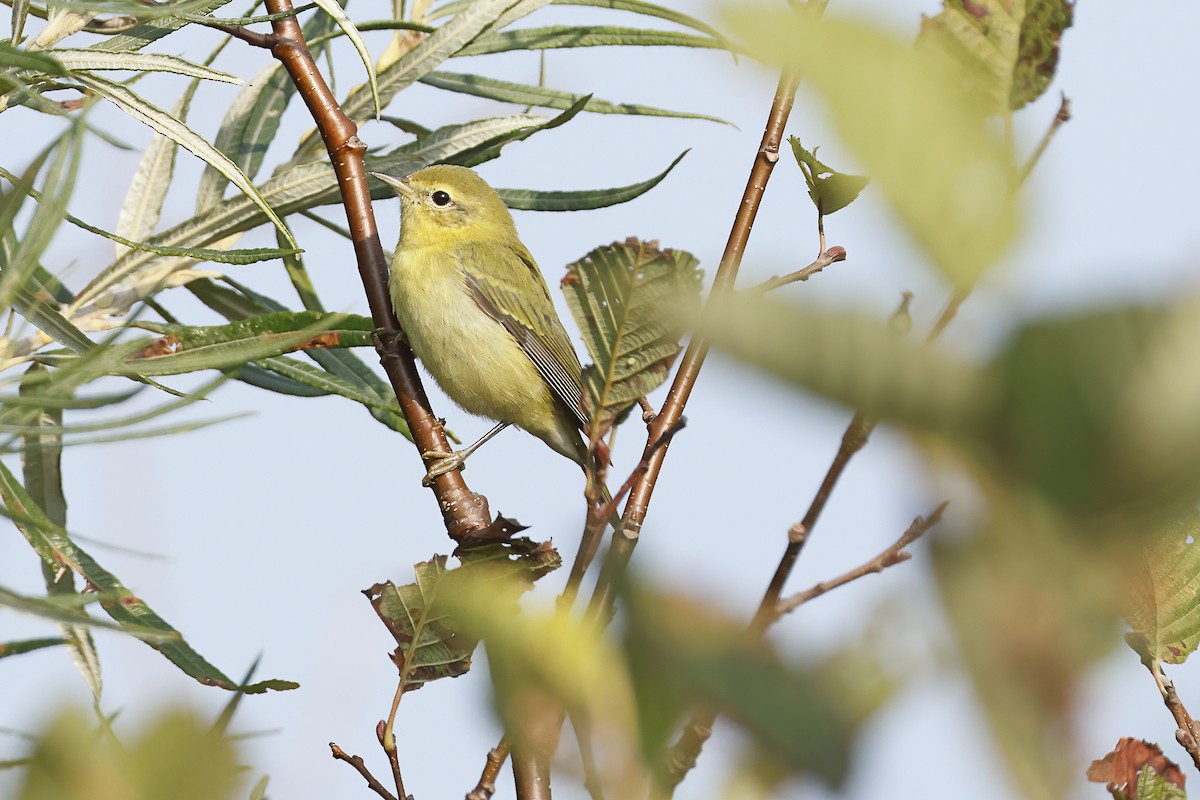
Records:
x=476, y=311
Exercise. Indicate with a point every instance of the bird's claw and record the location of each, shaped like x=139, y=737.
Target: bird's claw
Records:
x=446, y=462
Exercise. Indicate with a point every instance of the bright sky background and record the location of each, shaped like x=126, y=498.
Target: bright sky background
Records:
x=267, y=528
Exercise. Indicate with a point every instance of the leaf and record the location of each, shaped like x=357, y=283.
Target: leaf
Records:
x=567, y=36
x=27, y=646
x=925, y=140
x=15, y=58
x=631, y=301
x=830, y=191
x=20, y=12
x=1164, y=604
x=429, y=646
x=581, y=199
x=155, y=27
x=333, y=9
x=523, y=94
x=85, y=59
x=162, y=122
x=1041, y=34
x=1138, y=769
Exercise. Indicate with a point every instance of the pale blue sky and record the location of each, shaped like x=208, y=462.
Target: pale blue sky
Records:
x=271, y=525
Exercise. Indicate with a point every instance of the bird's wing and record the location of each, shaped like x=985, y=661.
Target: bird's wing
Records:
x=539, y=333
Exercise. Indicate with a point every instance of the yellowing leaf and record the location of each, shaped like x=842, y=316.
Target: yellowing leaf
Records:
x=1164, y=609
x=924, y=139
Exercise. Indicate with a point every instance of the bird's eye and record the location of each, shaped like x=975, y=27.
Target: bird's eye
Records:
x=440, y=198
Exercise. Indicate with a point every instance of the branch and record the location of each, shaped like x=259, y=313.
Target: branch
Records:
x=357, y=763
x=462, y=510
x=491, y=770
x=831, y=256
x=894, y=554
x=1187, y=734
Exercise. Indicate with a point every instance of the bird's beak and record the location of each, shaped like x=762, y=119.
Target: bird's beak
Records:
x=399, y=185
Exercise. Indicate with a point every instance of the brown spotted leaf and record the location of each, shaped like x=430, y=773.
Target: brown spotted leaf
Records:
x=1135, y=765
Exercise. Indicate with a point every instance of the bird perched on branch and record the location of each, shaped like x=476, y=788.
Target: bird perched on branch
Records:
x=476, y=311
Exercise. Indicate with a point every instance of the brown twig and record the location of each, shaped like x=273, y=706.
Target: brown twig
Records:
x=462, y=510
x=486, y=787
x=831, y=256
x=894, y=554
x=387, y=740
x=357, y=762
x=1187, y=734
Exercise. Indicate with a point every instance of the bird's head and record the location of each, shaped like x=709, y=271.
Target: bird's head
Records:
x=448, y=202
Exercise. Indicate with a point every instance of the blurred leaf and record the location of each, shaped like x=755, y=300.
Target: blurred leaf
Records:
x=65, y=609
x=1032, y=607
x=15, y=58
x=830, y=191
x=1138, y=770
x=1164, y=604
x=165, y=124
x=20, y=11
x=131, y=612
x=176, y=757
x=1041, y=34
x=631, y=302
x=565, y=36
x=27, y=646
x=84, y=59
x=581, y=199
x=504, y=91
x=430, y=647
x=682, y=654
x=259, y=792
x=924, y=140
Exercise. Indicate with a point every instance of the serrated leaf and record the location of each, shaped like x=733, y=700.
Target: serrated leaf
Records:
x=581, y=199
x=1164, y=606
x=429, y=647
x=162, y=122
x=155, y=27
x=631, y=302
x=85, y=59
x=524, y=94
x=568, y=36
x=981, y=39
x=830, y=191
x=928, y=144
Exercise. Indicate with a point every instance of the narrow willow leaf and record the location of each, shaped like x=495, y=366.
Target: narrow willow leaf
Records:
x=156, y=28
x=84, y=59
x=415, y=64
x=47, y=319
x=41, y=464
x=65, y=610
x=162, y=122
x=51, y=209
x=325, y=382
x=15, y=58
x=20, y=11
x=632, y=302
x=429, y=647
x=830, y=190
x=565, y=36
x=262, y=378
x=945, y=170
x=486, y=151
x=27, y=645
x=524, y=94
x=581, y=199
x=132, y=613
x=259, y=792
x=333, y=9
x=1164, y=609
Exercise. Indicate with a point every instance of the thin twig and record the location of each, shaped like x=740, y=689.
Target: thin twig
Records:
x=387, y=740
x=491, y=770
x=1062, y=116
x=357, y=762
x=591, y=777
x=1187, y=734
x=831, y=256
x=894, y=554
x=462, y=510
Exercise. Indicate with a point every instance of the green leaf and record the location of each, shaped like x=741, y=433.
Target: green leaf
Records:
x=632, y=302
x=1041, y=33
x=27, y=646
x=581, y=199
x=924, y=139
x=1152, y=786
x=65, y=609
x=325, y=382
x=132, y=613
x=566, y=36
x=85, y=59
x=14, y=58
x=333, y=9
x=1164, y=606
x=523, y=94
x=165, y=124
x=156, y=27
x=20, y=12
x=830, y=191
x=429, y=646
x=50, y=322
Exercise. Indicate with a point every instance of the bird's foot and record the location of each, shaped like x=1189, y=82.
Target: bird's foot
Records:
x=446, y=462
